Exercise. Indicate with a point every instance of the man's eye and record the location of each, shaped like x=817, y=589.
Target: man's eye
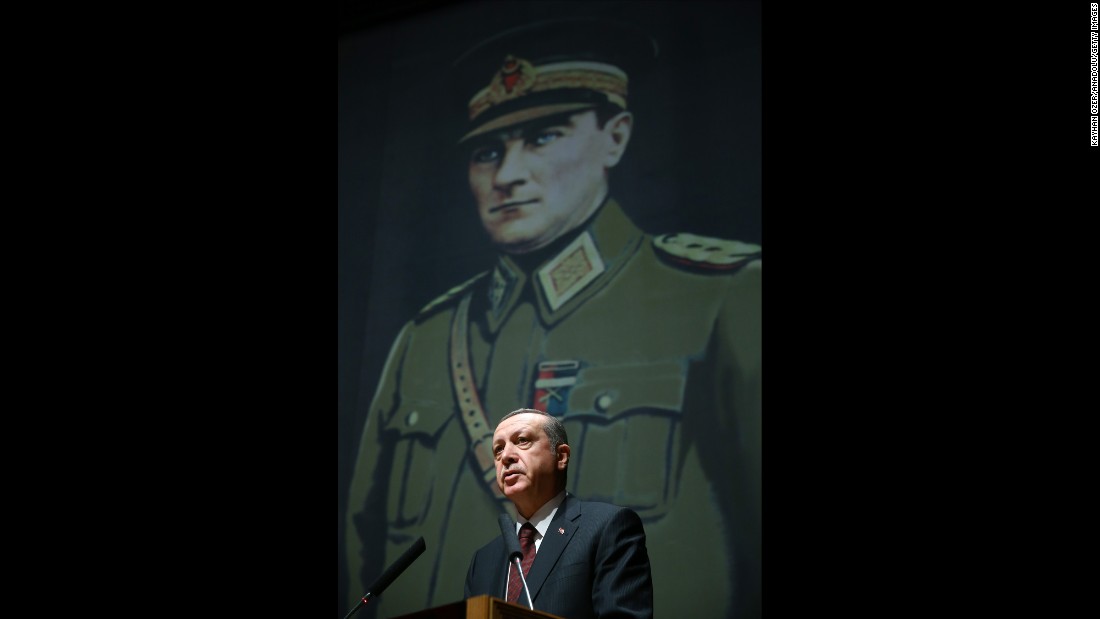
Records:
x=543, y=138
x=485, y=155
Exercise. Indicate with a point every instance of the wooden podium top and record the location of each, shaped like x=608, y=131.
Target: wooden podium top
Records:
x=479, y=607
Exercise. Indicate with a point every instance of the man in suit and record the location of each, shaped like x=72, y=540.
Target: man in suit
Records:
x=590, y=558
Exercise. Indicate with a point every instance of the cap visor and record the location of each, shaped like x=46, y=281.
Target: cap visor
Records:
x=524, y=115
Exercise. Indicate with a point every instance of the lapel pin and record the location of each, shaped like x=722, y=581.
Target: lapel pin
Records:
x=561, y=530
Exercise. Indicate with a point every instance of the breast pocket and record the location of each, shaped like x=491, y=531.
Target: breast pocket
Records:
x=417, y=429
x=624, y=427
x=573, y=570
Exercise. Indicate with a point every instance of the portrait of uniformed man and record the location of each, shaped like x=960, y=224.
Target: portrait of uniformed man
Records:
x=645, y=344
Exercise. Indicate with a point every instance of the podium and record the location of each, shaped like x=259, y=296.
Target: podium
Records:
x=479, y=607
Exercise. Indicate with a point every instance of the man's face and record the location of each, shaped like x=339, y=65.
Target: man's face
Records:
x=527, y=468
x=537, y=181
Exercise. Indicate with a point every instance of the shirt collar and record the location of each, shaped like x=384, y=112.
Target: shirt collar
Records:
x=542, y=518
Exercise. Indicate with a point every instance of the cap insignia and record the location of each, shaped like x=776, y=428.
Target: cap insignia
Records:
x=515, y=78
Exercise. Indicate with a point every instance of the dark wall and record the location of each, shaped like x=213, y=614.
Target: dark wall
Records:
x=407, y=230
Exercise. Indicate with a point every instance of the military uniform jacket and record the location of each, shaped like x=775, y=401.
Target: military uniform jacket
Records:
x=647, y=348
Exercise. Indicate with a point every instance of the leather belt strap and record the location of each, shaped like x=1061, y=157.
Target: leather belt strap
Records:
x=474, y=421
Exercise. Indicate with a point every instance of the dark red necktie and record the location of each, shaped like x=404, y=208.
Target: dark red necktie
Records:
x=527, y=545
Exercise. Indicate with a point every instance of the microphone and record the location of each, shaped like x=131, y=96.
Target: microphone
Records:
x=511, y=541
x=391, y=573
x=511, y=546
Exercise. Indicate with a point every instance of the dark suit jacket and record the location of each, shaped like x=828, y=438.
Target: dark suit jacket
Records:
x=597, y=567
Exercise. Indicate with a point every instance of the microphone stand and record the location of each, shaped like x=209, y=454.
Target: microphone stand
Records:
x=511, y=547
x=519, y=570
x=391, y=573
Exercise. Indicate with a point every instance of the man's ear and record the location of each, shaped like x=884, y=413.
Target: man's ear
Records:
x=618, y=134
x=563, y=456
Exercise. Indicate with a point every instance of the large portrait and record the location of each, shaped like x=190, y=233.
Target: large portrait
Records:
x=551, y=205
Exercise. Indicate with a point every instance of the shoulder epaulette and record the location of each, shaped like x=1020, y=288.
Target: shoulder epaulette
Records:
x=450, y=295
x=704, y=253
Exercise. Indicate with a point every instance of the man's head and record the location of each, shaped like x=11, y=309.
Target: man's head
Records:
x=547, y=119
x=532, y=455
x=536, y=181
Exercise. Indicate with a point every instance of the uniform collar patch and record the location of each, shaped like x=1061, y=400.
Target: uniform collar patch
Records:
x=568, y=273
x=500, y=287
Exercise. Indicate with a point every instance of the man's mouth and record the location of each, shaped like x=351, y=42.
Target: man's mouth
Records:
x=509, y=475
x=511, y=205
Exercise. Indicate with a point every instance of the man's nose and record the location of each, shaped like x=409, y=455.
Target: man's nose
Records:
x=513, y=167
x=508, y=455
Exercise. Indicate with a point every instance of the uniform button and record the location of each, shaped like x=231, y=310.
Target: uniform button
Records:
x=412, y=418
x=604, y=402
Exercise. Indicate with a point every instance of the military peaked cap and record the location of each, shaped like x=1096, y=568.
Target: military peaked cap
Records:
x=550, y=67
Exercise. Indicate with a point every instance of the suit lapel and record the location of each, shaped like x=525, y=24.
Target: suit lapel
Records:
x=500, y=579
x=554, y=543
